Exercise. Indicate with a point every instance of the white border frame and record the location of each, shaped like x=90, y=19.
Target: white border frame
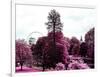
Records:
x=13, y=36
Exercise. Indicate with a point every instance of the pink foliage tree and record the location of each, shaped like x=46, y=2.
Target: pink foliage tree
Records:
x=61, y=51
x=23, y=52
x=44, y=50
x=39, y=51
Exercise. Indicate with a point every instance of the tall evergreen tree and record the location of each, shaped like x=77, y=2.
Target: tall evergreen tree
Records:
x=54, y=24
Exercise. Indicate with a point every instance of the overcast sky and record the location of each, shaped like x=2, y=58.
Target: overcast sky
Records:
x=30, y=19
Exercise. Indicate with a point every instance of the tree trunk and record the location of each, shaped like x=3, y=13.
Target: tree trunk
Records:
x=21, y=66
x=54, y=36
x=43, y=62
x=43, y=68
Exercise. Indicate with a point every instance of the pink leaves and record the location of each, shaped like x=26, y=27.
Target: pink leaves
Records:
x=23, y=51
x=60, y=66
x=77, y=63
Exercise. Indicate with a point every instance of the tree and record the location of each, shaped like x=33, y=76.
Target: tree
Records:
x=89, y=39
x=23, y=52
x=39, y=51
x=75, y=46
x=44, y=50
x=83, y=49
x=54, y=24
x=52, y=48
x=61, y=51
x=31, y=40
x=58, y=45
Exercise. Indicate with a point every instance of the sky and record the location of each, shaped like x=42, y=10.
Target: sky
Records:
x=30, y=21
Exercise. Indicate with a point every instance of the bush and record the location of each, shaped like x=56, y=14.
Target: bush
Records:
x=60, y=66
x=77, y=64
